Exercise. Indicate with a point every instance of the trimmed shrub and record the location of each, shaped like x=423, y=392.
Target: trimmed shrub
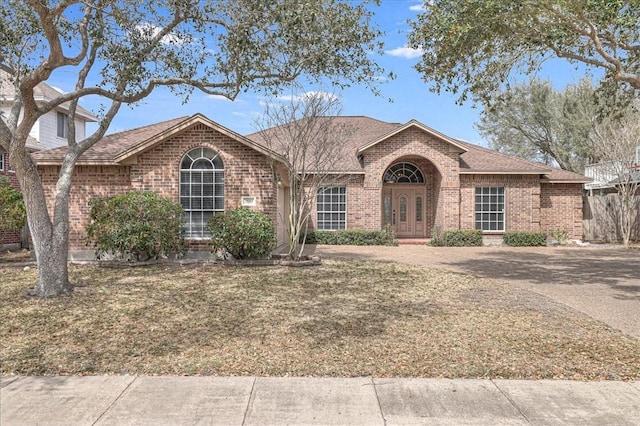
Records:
x=136, y=226
x=243, y=233
x=462, y=238
x=356, y=237
x=525, y=239
x=13, y=214
x=456, y=238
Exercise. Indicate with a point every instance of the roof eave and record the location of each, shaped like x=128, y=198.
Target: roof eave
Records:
x=502, y=172
x=188, y=122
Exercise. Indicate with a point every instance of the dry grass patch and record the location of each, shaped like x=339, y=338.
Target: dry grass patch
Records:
x=344, y=318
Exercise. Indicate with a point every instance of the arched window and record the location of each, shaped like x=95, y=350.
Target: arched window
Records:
x=201, y=190
x=403, y=173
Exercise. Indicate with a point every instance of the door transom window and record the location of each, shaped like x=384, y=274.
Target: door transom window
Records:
x=403, y=173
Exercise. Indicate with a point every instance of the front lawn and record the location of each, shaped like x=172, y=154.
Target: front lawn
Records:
x=344, y=318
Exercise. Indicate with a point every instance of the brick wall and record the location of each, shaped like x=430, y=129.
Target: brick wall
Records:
x=522, y=200
x=561, y=208
x=437, y=159
x=247, y=173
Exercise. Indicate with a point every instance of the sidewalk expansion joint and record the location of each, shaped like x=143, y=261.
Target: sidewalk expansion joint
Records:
x=249, y=401
x=114, y=401
x=511, y=401
x=375, y=389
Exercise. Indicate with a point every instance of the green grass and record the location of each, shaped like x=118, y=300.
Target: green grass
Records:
x=342, y=319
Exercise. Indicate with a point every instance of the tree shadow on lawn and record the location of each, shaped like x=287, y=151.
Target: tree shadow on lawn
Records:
x=616, y=268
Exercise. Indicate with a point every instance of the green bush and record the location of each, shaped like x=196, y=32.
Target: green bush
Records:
x=13, y=214
x=456, y=238
x=136, y=225
x=356, y=237
x=243, y=233
x=463, y=238
x=525, y=239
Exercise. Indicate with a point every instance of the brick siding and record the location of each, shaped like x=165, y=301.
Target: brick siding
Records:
x=561, y=208
x=521, y=199
x=247, y=173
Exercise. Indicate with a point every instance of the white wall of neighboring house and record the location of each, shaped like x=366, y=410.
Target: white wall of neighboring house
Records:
x=48, y=130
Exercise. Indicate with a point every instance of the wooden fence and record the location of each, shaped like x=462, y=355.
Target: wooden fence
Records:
x=601, y=218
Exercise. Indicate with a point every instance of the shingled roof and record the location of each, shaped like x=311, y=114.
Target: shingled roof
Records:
x=42, y=92
x=118, y=147
x=364, y=133
x=474, y=159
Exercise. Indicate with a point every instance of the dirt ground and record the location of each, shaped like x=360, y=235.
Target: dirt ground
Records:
x=600, y=281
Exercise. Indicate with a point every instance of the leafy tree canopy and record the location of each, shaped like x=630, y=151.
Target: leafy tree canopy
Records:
x=121, y=50
x=471, y=47
x=534, y=121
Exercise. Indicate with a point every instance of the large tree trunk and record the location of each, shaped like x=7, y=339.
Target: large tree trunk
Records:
x=50, y=237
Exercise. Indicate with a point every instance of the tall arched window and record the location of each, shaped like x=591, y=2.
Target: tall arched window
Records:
x=403, y=173
x=201, y=190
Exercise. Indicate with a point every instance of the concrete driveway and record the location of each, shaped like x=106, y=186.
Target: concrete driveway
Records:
x=600, y=281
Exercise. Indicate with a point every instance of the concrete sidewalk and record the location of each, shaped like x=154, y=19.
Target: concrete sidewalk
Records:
x=128, y=400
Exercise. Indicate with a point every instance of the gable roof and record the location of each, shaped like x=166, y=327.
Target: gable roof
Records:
x=361, y=129
x=412, y=124
x=474, y=159
x=41, y=93
x=117, y=148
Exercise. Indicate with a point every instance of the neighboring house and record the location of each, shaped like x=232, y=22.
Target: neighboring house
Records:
x=50, y=131
x=406, y=175
x=604, y=177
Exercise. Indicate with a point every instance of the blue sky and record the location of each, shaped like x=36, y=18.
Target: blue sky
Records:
x=410, y=94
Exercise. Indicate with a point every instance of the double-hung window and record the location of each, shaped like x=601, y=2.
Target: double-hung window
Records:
x=490, y=208
x=331, y=208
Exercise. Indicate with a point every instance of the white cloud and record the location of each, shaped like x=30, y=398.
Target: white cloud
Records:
x=417, y=8
x=218, y=98
x=151, y=31
x=405, y=52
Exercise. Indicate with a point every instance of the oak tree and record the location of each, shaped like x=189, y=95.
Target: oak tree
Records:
x=121, y=50
x=472, y=47
x=534, y=121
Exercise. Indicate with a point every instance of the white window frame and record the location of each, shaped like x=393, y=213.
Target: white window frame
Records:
x=201, y=190
x=327, y=209
x=488, y=209
x=62, y=122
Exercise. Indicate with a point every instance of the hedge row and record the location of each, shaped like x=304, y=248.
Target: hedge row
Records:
x=356, y=237
x=525, y=239
x=458, y=238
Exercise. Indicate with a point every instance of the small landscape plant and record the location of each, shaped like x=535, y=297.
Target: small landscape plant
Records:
x=525, y=239
x=135, y=226
x=437, y=237
x=13, y=214
x=560, y=235
x=356, y=237
x=243, y=233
